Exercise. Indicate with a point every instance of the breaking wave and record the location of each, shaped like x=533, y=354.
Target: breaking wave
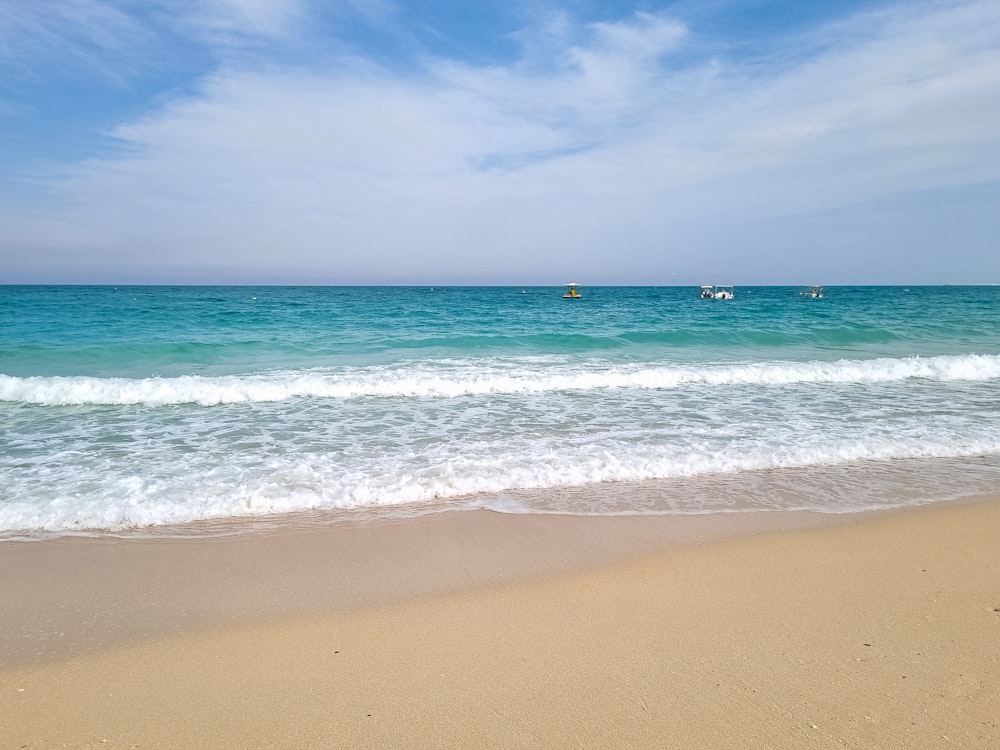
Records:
x=466, y=378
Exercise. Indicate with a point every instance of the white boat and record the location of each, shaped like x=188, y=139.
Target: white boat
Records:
x=571, y=292
x=813, y=292
x=710, y=291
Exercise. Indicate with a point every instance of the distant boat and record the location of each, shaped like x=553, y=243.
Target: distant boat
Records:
x=571, y=292
x=709, y=291
x=813, y=292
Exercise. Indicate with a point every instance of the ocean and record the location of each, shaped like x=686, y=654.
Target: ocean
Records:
x=214, y=410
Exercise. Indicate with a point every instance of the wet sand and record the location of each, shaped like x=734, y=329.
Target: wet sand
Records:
x=483, y=630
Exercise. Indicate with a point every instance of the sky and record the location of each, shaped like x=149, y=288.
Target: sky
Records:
x=520, y=142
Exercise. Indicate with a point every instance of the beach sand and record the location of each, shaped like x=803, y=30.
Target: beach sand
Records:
x=479, y=630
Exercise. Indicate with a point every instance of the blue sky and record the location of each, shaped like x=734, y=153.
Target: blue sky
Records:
x=446, y=142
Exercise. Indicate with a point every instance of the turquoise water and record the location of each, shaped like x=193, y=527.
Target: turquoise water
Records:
x=135, y=407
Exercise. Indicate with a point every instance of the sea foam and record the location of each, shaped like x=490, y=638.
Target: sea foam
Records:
x=457, y=378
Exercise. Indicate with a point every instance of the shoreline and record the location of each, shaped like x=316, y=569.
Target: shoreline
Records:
x=491, y=630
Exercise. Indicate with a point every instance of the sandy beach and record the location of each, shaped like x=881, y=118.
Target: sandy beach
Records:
x=879, y=630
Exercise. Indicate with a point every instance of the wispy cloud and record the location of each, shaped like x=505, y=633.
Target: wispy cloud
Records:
x=117, y=39
x=83, y=36
x=235, y=23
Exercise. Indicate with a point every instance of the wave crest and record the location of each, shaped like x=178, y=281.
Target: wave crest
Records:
x=469, y=379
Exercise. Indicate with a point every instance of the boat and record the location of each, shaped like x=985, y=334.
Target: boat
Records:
x=813, y=292
x=710, y=291
x=571, y=292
